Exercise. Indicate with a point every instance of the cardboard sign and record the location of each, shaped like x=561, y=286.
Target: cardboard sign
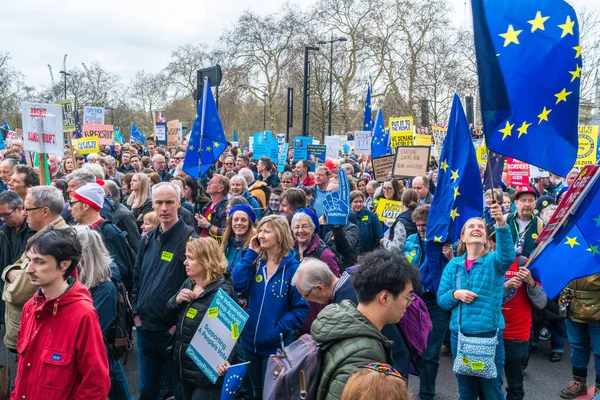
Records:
x=382, y=166
x=219, y=330
x=172, y=132
x=401, y=132
x=283, y=152
x=569, y=199
x=43, y=128
x=68, y=115
x=422, y=140
x=93, y=115
x=439, y=134
x=388, y=210
x=411, y=161
x=518, y=172
x=362, y=142
x=588, y=143
x=103, y=132
x=333, y=144
x=336, y=204
x=87, y=145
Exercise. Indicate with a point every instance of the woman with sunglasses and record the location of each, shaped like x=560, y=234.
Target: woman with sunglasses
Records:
x=287, y=180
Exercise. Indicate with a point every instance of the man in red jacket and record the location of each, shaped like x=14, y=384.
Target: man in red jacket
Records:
x=61, y=351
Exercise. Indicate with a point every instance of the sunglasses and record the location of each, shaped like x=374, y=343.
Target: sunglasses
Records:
x=383, y=368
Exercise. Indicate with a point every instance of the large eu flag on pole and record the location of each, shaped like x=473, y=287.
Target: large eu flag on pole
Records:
x=136, y=134
x=529, y=66
x=368, y=115
x=207, y=140
x=381, y=137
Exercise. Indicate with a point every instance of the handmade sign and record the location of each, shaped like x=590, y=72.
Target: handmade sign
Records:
x=103, y=132
x=382, y=166
x=87, y=145
x=362, y=142
x=388, y=210
x=411, y=161
x=93, y=115
x=401, y=132
x=337, y=203
x=43, y=128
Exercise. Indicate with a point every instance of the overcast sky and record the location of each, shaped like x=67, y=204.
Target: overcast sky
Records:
x=126, y=35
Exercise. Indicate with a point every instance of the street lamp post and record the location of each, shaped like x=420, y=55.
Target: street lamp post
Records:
x=65, y=74
x=331, y=42
x=306, y=94
x=265, y=112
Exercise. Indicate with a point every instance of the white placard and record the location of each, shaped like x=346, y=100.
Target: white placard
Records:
x=362, y=142
x=93, y=115
x=161, y=132
x=43, y=128
x=333, y=144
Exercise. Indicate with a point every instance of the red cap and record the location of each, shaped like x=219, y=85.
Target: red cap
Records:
x=525, y=189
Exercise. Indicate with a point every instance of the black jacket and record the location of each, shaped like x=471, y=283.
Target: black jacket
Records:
x=165, y=176
x=186, y=369
x=344, y=241
x=13, y=243
x=125, y=221
x=144, y=209
x=115, y=241
x=159, y=273
x=219, y=216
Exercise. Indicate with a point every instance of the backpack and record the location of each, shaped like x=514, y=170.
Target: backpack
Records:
x=119, y=336
x=294, y=372
x=415, y=327
x=267, y=192
x=131, y=255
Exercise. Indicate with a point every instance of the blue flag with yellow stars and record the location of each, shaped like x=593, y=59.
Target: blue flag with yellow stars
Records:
x=207, y=140
x=136, y=134
x=529, y=66
x=577, y=243
x=233, y=380
x=381, y=137
x=368, y=117
x=77, y=134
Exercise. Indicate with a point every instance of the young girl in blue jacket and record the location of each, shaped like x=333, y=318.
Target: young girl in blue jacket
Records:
x=275, y=307
x=480, y=274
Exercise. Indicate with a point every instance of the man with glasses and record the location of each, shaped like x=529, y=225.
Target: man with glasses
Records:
x=158, y=163
x=42, y=208
x=353, y=334
x=23, y=178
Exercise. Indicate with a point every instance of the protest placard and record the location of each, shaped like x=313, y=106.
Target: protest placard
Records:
x=172, y=132
x=388, y=210
x=301, y=147
x=316, y=155
x=382, y=166
x=93, y=115
x=518, y=172
x=411, y=161
x=336, y=204
x=362, y=142
x=401, y=132
x=482, y=153
x=43, y=128
x=333, y=144
x=439, y=134
x=588, y=143
x=160, y=133
x=261, y=146
x=218, y=332
x=87, y=145
x=283, y=151
x=422, y=140
x=104, y=133
x=251, y=144
x=68, y=115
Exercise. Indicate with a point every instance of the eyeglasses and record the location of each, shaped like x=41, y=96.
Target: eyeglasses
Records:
x=73, y=202
x=388, y=189
x=6, y=215
x=410, y=299
x=33, y=209
x=302, y=227
x=179, y=158
x=305, y=296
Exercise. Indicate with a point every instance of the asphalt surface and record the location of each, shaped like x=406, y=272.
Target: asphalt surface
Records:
x=544, y=379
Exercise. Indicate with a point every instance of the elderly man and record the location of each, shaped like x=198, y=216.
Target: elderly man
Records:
x=23, y=178
x=56, y=170
x=421, y=185
x=258, y=189
x=158, y=163
x=6, y=171
x=43, y=206
x=77, y=179
x=213, y=218
x=17, y=147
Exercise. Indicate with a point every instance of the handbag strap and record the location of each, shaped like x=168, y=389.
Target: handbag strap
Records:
x=460, y=302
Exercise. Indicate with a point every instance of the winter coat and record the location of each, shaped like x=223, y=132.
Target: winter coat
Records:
x=188, y=323
x=124, y=220
x=486, y=279
x=344, y=241
x=370, y=230
x=353, y=341
x=258, y=193
x=274, y=306
x=272, y=181
x=139, y=212
x=17, y=293
x=234, y=253
x=61, y=350
x=13, y=243
x=402, y=228
x=104, y=298
x=532, y=231
x=115, y=241
x=159, y=273
x=253, y=203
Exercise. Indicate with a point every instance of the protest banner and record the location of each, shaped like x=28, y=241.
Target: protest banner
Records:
x=518, y=172
x=336, y=204
x=316, y=155
x=301, y=147
x=482, y=153
x=93, y=115
x=218, y=332
x=411, y=161
x=172, y=132
x=382, y=166
x=588, y=143
x=273, y=144
x=388, y=210
x=362, y=142
x=584, y=180
x=43, y=128
x=283, y=151
x=401, y=132
x=160, y=133
x=439, y=134
x=422, y=140
x=104, y=133
x=261, y=146
x=87, y=145
x=68, y=115
x=333, y=144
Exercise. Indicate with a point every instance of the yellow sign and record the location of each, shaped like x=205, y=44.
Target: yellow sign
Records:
x=477, y=365
x=87, y=145
x=166, y=256
x=482, y=153
x=191, y=313
x=213, y=312
x=588, y=143
x=388, y=210
x=422, y=140
x=401, y=132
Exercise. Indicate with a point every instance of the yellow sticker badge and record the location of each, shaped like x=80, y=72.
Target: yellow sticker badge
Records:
x=191, y=313
x=213, y=312
x=258, y=278
x=534, y=236
x=235, y=331
x=466, y=360
x=413, y=253
x=477, y=366
x=166, y=256
x=365, y=218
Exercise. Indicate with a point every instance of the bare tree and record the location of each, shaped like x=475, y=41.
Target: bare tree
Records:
x=11, y=84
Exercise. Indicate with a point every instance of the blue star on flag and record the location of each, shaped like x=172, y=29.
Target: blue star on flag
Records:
x=368, y=115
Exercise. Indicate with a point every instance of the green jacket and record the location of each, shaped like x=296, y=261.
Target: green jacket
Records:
x=533, y=230
x=354, y=341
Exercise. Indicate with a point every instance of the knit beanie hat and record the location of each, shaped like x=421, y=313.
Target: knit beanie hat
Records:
x=245, y=208
x=91, y=194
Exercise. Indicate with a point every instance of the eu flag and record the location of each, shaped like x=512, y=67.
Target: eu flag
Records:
x=77, y=134
x=493, y=171
x=577, y=243
x=368, y=117
x=207, y=140
x=233, y=380
x=529, y=66
x=136, y=134
x=381, y=137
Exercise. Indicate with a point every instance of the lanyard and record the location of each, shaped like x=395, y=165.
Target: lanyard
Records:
x=521, y=236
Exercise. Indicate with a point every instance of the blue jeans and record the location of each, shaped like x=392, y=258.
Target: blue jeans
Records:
x=584, y=338
x=470, y=387
x=257, y=371
x=153, y=363
x=119, y=390
x=440, y=320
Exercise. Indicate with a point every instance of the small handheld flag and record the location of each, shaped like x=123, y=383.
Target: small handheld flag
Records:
x=137, y=135
x=233, y=380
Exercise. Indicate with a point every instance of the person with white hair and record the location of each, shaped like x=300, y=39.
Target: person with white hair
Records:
x=238, y=186
x=159, y=166
x=56, y=170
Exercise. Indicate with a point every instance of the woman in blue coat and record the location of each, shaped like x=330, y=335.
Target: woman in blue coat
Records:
x=368, y=223
x=275, y=308
x=474, y=281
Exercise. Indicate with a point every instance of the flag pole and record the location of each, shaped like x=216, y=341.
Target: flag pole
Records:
x=204, y=94
x=489, y=168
